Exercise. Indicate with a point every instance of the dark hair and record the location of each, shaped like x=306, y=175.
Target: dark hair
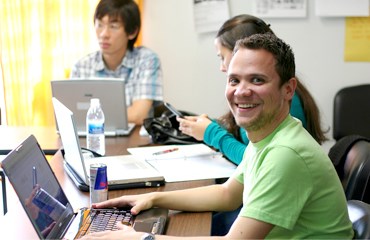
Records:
x=245, y=25
x=239, y=27
x=126, y=11
x=282, y=52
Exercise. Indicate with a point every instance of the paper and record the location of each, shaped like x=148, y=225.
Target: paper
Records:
x=209, y=15
x=280, y=9
x=189, y=162
x=342, y=8
x=357, y=39
x=183, y=152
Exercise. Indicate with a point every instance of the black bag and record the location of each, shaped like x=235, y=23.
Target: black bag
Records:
x=165, y=129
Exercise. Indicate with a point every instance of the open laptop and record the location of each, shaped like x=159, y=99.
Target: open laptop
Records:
x=124, y=171
x=47, y=206
x=76, y=95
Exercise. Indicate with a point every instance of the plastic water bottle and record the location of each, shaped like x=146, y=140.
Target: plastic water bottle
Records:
x=95, y=138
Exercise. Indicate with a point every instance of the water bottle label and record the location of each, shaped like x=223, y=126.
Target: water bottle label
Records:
x=96, y=128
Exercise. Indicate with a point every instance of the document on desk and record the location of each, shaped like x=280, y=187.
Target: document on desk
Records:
x=185, y=162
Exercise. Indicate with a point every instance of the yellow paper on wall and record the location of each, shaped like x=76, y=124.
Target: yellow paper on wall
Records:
x=357, y=39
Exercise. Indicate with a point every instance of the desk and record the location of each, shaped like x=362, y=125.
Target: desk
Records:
x=12, y=136
x=50, y=141
x=179, y=223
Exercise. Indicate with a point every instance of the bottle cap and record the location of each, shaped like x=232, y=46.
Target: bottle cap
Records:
x=94, y=102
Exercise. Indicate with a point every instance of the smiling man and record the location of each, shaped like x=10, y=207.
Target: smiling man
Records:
x=251, y=91
x=117, y=25
x=287, y=185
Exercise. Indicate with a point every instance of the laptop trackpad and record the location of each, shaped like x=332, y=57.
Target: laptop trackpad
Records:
x=143, y=226
x=151, y=221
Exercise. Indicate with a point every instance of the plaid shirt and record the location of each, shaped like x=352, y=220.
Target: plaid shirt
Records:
x=140, y=69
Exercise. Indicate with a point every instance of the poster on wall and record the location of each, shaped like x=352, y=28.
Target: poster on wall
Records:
x=209, y=15
x=279, y=8
x=342, y=8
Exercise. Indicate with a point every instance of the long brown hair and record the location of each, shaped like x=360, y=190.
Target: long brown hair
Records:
x=312, y=113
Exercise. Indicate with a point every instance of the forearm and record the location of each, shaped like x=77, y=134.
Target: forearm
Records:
x=225, y=197
x=221, y=139
x=139, y=110
x=194, y=200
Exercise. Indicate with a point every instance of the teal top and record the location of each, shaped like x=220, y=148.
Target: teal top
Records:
x=219, y=138
x=290, y=182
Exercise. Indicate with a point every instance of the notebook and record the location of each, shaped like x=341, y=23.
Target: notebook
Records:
x=47, y=206
x=76, y=95
x=124, y=171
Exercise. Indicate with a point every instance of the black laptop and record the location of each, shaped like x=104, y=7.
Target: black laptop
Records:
x=48, y=208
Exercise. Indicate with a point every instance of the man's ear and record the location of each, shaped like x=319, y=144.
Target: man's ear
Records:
x=133, y=34
x=290, y=87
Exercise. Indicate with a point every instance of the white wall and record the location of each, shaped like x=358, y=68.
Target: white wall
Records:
x=192, y=79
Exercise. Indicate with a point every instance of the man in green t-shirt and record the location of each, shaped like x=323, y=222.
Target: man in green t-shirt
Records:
x=287, y=185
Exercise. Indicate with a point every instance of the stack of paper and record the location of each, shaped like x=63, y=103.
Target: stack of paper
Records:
x=185, y=162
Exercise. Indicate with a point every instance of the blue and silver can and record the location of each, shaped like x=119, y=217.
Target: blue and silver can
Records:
x=98, y=183
x=47, y=203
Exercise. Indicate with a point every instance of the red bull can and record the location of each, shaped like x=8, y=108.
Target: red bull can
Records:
x=48, y=204
x=98, y=183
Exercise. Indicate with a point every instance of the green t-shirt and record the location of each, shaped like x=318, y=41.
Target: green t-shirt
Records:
x=218, y=137
x=291, y=183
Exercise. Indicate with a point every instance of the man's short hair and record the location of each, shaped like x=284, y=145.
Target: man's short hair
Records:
x=126, y=11
x=282, y=52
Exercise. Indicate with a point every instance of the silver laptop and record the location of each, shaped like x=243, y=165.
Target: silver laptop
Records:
x=76, y=95
x=50, y=212
x=124, y=171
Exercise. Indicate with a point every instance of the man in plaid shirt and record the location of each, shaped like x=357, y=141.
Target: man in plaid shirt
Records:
x=117, y=24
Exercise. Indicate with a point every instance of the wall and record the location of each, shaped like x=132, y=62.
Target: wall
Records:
x=192, y=79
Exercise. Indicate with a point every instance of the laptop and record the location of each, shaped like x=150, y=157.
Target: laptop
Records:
x=124, y=171
x=47, y=206
x=76, y=95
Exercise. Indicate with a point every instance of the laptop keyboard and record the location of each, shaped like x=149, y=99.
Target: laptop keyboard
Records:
x=101, y=220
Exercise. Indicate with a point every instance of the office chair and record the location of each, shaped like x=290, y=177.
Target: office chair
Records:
x=352, y=111
x=351, y=158
x=359, y=214
x=3, y=189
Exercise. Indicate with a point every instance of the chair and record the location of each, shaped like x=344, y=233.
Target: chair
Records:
x=351, y=158
x=3, y=189
x=352, y=111
x=359, y=214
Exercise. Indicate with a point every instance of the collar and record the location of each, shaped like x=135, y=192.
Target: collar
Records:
x=289, y=119
x=127, y=61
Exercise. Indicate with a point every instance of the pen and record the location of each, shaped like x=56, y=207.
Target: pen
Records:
x=34, y=176
x=166, y=151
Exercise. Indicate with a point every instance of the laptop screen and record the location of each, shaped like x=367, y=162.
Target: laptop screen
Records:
x=38, y=189
x=70, y=141
x=75, y=94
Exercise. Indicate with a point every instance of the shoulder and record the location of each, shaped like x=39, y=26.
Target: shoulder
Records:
x=292, y=143
x=143, y=52
x=142, y=58
x=283, y=156
x=89, y=58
